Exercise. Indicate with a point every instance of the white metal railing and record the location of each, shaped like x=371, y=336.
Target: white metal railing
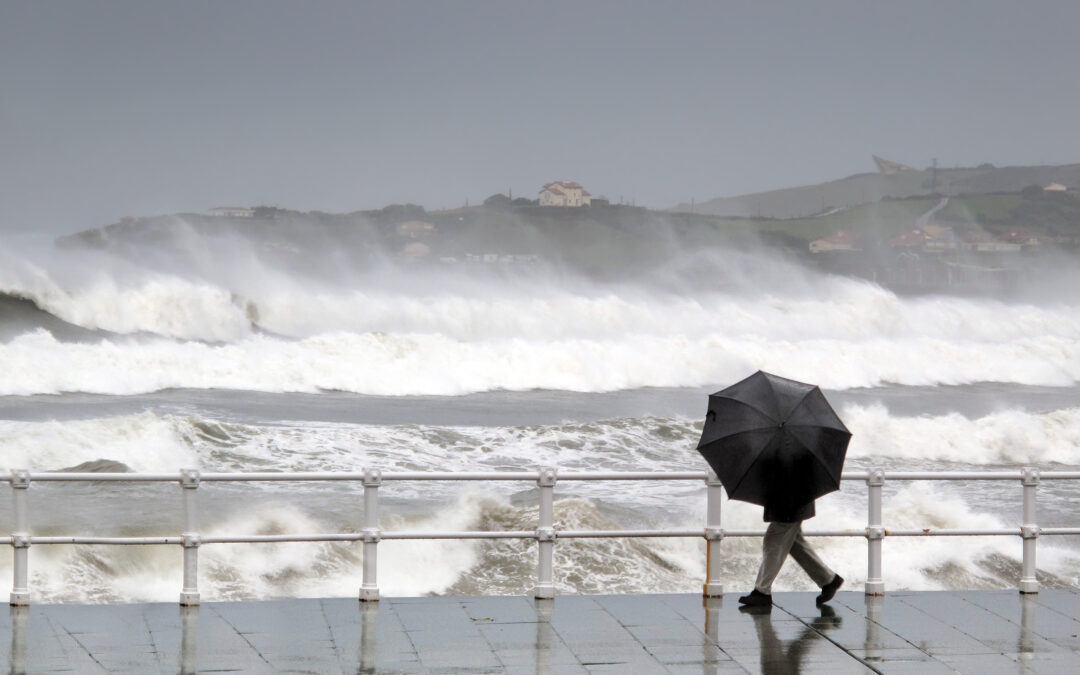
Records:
x=545, y=533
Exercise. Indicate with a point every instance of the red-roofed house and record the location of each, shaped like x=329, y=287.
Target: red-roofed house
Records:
x=843, y=240
x=910, y=239
x=1024, y=237
x=984, y=242
x=564, y=193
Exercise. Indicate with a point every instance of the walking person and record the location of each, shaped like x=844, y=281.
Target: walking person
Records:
x=778, y=443
x=783, y=537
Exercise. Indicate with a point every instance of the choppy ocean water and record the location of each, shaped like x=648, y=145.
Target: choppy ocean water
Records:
x=230, y=360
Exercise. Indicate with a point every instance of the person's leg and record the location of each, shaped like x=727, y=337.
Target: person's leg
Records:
x=774, y=550
x=821, y=574
x=809, y=561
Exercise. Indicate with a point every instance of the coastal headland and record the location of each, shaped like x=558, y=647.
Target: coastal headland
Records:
x=906, y=231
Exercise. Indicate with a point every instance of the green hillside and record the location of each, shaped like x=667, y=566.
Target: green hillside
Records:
x=809, y=200
x=1047, y=214
x=884, y=218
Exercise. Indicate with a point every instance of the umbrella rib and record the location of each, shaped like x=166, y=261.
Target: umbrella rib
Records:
x=827, y=405
x=757, y=458
x=813, y=453
x=801, y=399
x=756, y=409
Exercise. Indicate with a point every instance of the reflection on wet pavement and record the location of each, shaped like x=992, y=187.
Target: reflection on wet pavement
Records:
x=974, y=631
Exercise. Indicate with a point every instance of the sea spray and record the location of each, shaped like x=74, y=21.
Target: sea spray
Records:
x=154, y=442
x=201, y=321
x=499, y=567
x=432, y=364
x=144, y=442
x=159, y=442
x=1002, y=438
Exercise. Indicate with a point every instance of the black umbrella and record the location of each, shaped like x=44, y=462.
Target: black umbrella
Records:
x=774, y=442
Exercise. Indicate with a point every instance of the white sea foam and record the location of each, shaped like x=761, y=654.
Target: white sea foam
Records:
x=435, y=364
x=155, y=443
x=411, y=568
x=154, y=303
x=446, y=333
x=225, y=320
x=144, y=442
x=164, y=443
x=1005, y=437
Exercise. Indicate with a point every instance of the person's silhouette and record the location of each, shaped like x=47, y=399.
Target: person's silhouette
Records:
x=774, y=655
x=784, y=536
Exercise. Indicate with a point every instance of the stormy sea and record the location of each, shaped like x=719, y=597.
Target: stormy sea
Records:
x=238, y=349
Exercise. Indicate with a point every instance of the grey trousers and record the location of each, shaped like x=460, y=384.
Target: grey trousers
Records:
x=781, y=539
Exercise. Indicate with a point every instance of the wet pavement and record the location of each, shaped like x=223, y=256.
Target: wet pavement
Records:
x=916, y=632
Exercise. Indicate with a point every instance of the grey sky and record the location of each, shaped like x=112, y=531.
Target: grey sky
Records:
x=135, y=108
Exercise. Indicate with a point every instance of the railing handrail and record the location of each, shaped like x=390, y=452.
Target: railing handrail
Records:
x=545, y=534
x=358, y=476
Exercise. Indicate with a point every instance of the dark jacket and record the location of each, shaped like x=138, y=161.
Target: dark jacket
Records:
x=789, y=515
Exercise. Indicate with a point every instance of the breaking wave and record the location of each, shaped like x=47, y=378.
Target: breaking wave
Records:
x=225, y=318
x=157, y=443
x=203, y=309
x=161, y=443
x=502, y=567
x=436, y=364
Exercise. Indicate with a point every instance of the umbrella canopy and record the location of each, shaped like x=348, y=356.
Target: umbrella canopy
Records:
x=774, y=442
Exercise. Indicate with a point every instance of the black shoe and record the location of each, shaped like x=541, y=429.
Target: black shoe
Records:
x=756, y=599
x=829, y=589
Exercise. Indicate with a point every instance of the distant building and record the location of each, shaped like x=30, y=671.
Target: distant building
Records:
x=843, y=240
x=939, y=239
x=1026, y=238
x=984, y=242
x=412, y=229
x=564, y=193
x=232, y=211
x=1055, y=187
x=911, y=239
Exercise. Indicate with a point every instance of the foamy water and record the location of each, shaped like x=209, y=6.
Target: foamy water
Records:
x=152, y=442
x=451, y=345
x=224, y=319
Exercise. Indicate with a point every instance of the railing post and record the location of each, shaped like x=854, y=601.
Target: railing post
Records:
x=20, y=538
x=189, y=485
x=714, y=535
x=545, y=533
x=875, y=533
x=1029, y=530
x=369, y=638
x=189, y=641
x=20, y=616
x=369, y=589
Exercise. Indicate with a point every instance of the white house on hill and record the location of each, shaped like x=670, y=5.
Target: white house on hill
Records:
x=564, y=193
x=232, y=211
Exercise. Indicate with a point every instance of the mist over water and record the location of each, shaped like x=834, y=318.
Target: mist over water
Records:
x=177, y=322
x=223, y=311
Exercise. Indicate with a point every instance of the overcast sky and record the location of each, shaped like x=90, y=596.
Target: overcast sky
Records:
x=135, y=108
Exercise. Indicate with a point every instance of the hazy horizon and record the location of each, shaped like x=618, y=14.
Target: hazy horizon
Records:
x=113, y=109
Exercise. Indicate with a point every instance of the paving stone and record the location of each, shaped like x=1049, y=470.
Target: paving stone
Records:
x=886, y=658
x=901, y=633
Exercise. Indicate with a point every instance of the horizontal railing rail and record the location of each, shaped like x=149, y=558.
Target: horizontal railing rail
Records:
x=545, y=534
